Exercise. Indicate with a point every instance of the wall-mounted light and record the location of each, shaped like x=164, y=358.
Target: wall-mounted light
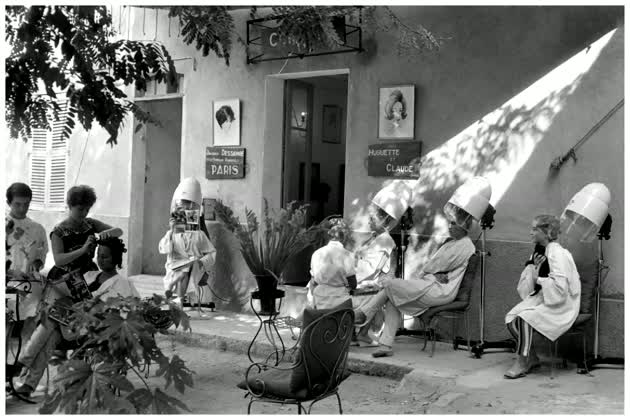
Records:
x=302, y=118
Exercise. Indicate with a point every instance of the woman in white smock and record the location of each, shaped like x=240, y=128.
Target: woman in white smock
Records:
x=550, y=288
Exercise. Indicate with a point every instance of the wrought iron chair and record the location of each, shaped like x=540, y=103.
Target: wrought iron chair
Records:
x=455, y=310
x=318, y=367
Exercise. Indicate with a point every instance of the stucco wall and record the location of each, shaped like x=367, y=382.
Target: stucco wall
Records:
x=491, y=56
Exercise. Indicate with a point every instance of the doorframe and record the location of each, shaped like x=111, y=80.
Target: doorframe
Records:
x=135, y=232
x=273, y=133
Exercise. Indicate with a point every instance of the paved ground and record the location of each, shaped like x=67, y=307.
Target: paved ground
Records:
x=409, y=383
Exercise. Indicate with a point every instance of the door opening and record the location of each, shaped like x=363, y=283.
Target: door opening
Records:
x=162, y=172
x=314, y=154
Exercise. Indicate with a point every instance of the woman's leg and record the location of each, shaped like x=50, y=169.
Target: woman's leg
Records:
x=523, y=333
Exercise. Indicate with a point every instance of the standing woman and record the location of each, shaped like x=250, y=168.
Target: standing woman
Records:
x=550, y=288
x=73, y=241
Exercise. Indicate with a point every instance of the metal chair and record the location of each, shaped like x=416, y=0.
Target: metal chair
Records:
x=455, y=310
x=581, y=324
x=318, y=367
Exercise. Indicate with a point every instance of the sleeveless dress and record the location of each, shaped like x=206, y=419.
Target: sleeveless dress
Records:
x=74, y=238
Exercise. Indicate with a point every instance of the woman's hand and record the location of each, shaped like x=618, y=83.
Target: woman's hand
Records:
x=171, y=223
x=89, y=245
x=538, y=260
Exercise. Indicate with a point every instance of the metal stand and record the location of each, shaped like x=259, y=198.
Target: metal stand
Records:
x=487, y=222
x=11, y=370
x=597, y=362
x=269, y=326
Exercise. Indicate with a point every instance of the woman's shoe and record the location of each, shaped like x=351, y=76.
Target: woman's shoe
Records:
x=383, y=351
x=516, y=372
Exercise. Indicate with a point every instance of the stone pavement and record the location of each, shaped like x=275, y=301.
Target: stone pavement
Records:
x=233, y=332
x=452, y=377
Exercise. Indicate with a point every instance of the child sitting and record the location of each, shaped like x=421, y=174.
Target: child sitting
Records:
x=332, y=270
x=108, y=282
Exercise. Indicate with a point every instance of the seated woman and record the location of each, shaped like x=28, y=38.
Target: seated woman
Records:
x=550, y=288
x=376, y=258
x=332, y=270
x=436, y=284
x=73, y=243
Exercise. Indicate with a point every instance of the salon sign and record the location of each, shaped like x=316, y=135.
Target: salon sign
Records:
x=225, y=162
x=394, y=160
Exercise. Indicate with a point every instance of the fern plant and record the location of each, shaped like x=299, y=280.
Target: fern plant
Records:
x=117, y=342
x=283, y=234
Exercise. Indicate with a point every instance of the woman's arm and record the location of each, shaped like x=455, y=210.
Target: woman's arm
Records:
x=107, y=229
x=555, y=287
x=64, y=258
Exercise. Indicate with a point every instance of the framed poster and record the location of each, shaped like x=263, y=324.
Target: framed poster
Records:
x=226, y=114
x=331, y=124
x=396, y=112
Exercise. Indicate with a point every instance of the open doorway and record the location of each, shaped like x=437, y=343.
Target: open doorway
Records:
x=161, y=176
x=314, y=153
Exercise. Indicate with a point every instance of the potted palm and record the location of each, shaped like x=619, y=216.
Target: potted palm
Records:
x=268, y=248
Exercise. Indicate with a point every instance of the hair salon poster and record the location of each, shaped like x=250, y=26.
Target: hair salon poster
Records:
x=394, y=160
x=225, y=162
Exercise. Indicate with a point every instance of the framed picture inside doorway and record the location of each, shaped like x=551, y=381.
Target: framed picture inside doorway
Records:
x=331, y=124
x=226, y=114
x=396, y=112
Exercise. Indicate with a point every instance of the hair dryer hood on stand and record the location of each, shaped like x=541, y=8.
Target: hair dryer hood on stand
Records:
x=586, y=212
x=394, y=199
x=469, y=200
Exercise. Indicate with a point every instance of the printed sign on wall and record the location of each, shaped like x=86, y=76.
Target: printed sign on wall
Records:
x=225, y=162
x=394, y=160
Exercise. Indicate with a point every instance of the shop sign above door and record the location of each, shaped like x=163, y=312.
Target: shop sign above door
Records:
x=266, y=43
x=225, y=162
x=394, y=160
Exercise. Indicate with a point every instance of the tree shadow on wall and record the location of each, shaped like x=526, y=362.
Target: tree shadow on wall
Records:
x=486, y=149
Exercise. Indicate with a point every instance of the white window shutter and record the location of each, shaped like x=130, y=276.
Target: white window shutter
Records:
x=38, y=179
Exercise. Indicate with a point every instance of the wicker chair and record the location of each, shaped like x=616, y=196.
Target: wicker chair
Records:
x=319, y=363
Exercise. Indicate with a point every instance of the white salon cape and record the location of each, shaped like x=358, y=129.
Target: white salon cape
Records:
x=116, y=286
x=330, y=265
x=369, y=257
x=422, y=290
x=553, y=310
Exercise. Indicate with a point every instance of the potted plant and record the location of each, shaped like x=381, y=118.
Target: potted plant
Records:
x=268, y=248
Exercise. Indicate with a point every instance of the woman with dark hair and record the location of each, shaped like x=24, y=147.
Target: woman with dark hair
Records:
x=108, y=282
x=396, y=107
x=73, y=241
x=550, y=288
x=223, y=115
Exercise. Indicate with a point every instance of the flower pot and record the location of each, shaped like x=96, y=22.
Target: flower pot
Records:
x=267, y=286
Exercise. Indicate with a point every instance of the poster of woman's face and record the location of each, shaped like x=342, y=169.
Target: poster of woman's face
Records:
x=226, y=115
x=396, y=112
